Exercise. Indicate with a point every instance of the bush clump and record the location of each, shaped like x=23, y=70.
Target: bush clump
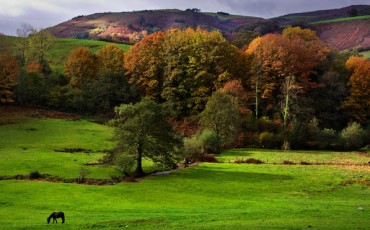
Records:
x=35, y=175
x=353, y=136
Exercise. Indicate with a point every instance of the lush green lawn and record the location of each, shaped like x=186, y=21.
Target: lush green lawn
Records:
x=30, y=146
x=208, y=196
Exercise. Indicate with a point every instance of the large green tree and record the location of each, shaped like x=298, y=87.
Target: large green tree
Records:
x=222, y=116
x=141, y=131
x=38, y=44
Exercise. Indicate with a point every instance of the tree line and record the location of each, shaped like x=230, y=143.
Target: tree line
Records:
x=287, y=90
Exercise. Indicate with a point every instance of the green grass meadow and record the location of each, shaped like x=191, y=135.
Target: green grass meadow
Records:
x=366, y=54
x=58, y=55
x=221, y=195
x=61, y=48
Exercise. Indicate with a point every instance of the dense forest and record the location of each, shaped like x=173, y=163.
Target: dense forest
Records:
x=287, y=90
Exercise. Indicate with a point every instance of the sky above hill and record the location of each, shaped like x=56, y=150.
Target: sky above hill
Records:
x=46, y=13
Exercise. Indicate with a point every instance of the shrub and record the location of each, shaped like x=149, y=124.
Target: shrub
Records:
x=124, y=163
x=268, y=125
x=84, y=171
x=206, y=157
x=197, y=147
x=209, y=141
x=328, y=138
x=248, y=161
x=35, y=175
x=353, y=136
x=270, y=140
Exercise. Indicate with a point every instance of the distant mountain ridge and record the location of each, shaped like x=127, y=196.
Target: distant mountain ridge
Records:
x=130, y=27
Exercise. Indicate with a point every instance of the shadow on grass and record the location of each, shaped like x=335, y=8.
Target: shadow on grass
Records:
x=221, y=175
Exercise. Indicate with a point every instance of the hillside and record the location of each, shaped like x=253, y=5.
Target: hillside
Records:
x=345, y=34
x=61, y=48
x=343, y=28
x=129, y=27
x=321, y=15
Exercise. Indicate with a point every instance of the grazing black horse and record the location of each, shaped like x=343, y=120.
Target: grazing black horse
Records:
x=56, y=215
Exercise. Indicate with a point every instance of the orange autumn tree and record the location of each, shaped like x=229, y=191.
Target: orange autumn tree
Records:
x=358, y=102
x=9, y=71
x=80, y=67
x=183, y=67
x=287, y=63
x=111, y=59
x=34, y=67
x=144, y=63
x=235, y=88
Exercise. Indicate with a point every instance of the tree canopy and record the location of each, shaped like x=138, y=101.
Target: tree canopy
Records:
x=143, y=132
x=358, y=102
x=81, y=66
x=183, y=67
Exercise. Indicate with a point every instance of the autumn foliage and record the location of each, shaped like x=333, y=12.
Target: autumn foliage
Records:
x=284, y=66
x=81, y=65
x=9, y=70
x=183, y=67
x=358, y=102
x=110, y=59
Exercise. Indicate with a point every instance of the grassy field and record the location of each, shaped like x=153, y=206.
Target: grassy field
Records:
x=366, y=54
x=343, y=19
x=59, y=52
x=208, y=196
x=63, y=46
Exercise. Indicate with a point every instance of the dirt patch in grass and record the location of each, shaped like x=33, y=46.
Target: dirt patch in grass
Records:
x=49, y=178
x=15, y=114
x=73, y=150
x=356, y=168
x=249, y=161
x=364, y=182
x=363, y=154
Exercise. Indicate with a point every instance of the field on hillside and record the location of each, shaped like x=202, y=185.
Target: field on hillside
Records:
x=221, y=195
x=63, y=46
x=366, y=54
x=60, y=50
x=343, y=19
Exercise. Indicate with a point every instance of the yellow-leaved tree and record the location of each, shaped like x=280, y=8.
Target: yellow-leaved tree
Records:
x=80, y=67
x=358, y=102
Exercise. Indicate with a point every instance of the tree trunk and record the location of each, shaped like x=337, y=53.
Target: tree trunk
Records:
x=139, y=168
x=257, y=98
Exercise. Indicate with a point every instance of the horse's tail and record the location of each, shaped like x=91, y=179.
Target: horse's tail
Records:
x=62, y=217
